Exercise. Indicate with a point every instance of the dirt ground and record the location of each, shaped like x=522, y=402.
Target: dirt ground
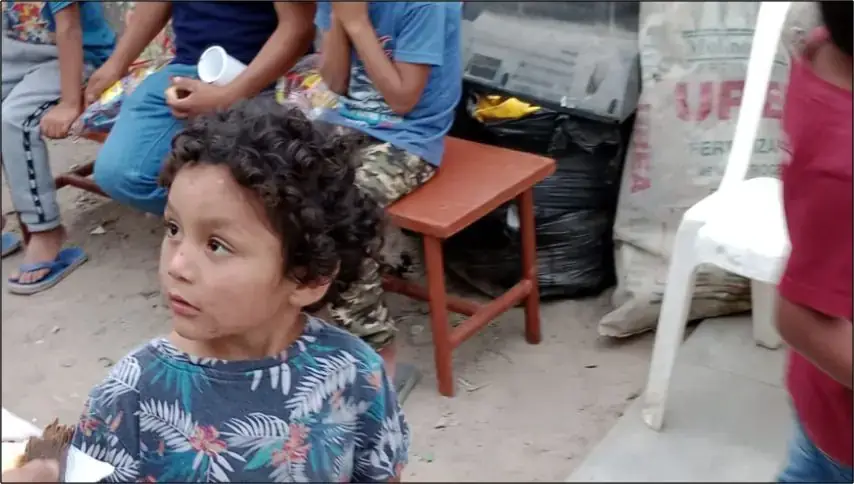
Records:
x=522, y=412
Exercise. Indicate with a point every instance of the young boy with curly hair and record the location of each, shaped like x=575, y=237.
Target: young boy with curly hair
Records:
x=49, y=49
x=815, y=306
x=397, y=69
x=262, y=215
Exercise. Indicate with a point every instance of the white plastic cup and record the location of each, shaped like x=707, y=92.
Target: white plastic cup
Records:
x=217, y=67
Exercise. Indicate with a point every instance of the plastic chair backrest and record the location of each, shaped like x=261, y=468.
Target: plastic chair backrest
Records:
x=763, y=52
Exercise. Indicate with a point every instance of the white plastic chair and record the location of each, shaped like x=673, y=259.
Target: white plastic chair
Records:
x=739, y=228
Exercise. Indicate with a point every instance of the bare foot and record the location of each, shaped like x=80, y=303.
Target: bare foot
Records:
x=43, y=247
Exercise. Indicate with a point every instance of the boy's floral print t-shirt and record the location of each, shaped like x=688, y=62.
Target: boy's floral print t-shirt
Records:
x=323, y=411
x=26, y=22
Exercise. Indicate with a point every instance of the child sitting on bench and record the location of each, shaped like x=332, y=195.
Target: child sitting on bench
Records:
x=49, y=49
x=396, y=67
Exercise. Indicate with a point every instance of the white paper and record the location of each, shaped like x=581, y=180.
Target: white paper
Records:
x=16, y=428
x=79, y=467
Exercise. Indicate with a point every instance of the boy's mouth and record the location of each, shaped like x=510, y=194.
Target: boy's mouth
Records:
x=181, y=307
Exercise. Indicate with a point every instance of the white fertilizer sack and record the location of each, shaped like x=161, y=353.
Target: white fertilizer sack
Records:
x=693, y=64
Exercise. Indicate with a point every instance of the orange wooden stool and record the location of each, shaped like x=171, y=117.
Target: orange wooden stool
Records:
x=474, y=180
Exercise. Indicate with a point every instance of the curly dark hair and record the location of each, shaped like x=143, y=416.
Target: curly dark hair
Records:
x=838, y=17
x=304, y=177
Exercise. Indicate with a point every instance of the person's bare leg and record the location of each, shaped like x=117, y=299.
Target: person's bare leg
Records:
x=404, y=376
x=389, y=356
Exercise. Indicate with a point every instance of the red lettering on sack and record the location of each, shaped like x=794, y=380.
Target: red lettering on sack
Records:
x=723, y=99
x=639, y=169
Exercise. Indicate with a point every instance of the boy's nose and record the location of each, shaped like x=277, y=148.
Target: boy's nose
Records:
x=180, y=265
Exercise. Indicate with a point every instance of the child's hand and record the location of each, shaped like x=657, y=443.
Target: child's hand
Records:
x=101, y=80
x=199, y=98
x=350, y=13
x=56, y=122
x=34, y=471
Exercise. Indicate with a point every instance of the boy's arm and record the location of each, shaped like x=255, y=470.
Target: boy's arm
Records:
x=822, y=339
x=149, y=18
x=290, y=41
x=39, y=470
x=334, y=54
x=420, y=45
x=69, y=44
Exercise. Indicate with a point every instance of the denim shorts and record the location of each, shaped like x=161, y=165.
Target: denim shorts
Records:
x=807, y=463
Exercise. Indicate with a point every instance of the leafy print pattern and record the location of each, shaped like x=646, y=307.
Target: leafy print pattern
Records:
x=123, y=378
x=25, y=21
x=279, y=377
x=322, y=411
x=126, y=465
x=321, y=382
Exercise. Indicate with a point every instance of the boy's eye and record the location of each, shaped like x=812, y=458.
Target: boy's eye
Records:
x=171, y=228
x=217, y=247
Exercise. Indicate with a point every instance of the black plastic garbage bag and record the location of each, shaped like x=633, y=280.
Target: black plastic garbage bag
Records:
x=589, y=163
x=574, y=208
x=531, y=134
x=572, y=255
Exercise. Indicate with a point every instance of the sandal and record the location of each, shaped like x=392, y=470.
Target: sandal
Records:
x=66, y=261
x=11, y=244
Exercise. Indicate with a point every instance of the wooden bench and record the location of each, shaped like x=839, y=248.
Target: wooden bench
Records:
x=474, y=180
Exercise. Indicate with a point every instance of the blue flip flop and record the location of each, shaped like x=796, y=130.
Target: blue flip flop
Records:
x=11, y=244
x=66, y=261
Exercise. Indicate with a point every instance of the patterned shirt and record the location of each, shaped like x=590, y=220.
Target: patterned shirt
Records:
x=426, y=33
x=322, y=411
x=35, y=23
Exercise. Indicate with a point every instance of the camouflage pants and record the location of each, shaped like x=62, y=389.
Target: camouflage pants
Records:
x=386, y=174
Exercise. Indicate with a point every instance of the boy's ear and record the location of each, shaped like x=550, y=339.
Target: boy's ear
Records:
x=306, y=295
x=309, y=294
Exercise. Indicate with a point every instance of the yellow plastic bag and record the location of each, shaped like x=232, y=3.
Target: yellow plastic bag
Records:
x=494, y=107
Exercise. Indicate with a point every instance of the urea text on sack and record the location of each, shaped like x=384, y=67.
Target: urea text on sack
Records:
x=698, y=102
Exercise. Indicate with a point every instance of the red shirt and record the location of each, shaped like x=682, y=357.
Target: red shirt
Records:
x=817, y=195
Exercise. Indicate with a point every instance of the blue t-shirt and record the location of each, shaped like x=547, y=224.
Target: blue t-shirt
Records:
x=416, y=33
x=35, y=22
x=241, y=28
x=322, y=411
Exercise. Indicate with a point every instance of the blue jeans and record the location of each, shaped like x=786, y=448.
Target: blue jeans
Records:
x=129, y=163
x=807, y=463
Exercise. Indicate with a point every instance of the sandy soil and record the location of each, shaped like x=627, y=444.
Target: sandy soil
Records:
x=522, y=413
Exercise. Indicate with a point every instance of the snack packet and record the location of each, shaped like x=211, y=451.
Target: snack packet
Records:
x=304, y=87
x=23, y=442
x=101, y=115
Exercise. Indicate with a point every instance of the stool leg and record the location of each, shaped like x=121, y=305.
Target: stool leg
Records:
x=438, y=300
x=527, y=230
